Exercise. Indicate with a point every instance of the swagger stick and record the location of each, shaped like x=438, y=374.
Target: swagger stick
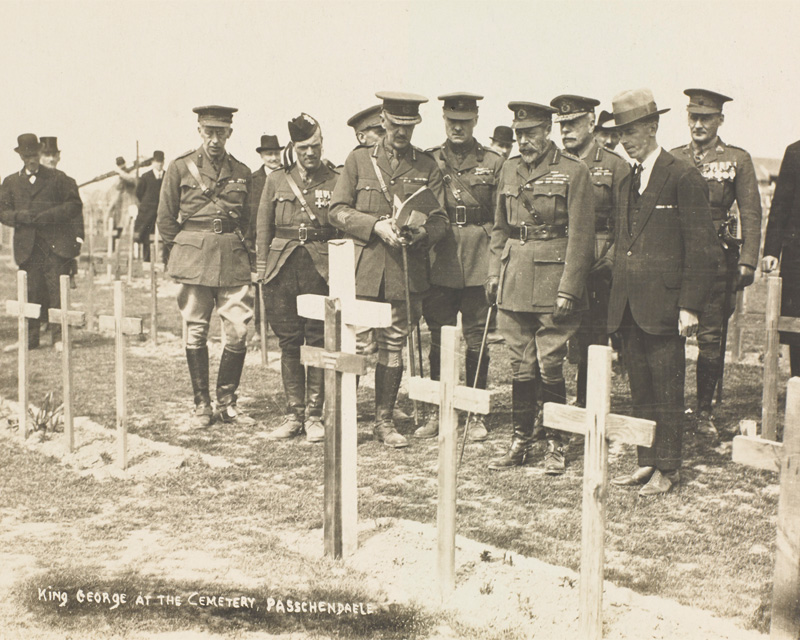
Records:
x=410, y=339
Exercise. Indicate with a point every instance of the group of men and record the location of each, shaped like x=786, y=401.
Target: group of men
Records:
x=566, y=244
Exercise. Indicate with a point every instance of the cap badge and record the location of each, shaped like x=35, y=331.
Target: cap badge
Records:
x=521, y=114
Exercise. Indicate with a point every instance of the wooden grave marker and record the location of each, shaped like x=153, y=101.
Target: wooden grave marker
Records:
x=23, y=310
x=783, y=458
x=342, y=312
x=154, y=290
x=598, y=425
x=450, y=396
x=121, y=326
x=67, y=318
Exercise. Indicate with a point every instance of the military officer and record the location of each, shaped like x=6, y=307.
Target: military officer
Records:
x=292, y=259
x=575, y=114
x=502, y=140
x=367, y=125
x=731, y=177
x=542, y=248
x=362, y=206
x=203, y=216
x=605, y=133
x=460, y=261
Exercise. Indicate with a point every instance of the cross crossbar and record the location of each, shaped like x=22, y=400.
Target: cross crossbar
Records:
x=337, y=361
x=130, y=326
x=356, y=313
x=619, y=428
x=30, y=310
x=464, y=398
x=74, y=318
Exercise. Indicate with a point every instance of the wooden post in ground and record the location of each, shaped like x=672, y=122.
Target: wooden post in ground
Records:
x=153, y=293
x=23, y=310
x=68, y=319
x=121, y=326
x=110, y=248
x=341, y=313
x=597, y=425
x=769, y=399
x=785, y=458
x=449, y=395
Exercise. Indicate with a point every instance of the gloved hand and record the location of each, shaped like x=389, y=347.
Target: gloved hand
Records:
x=563, y=309
x=490, y=288
x=745, y=277
x=413, y=235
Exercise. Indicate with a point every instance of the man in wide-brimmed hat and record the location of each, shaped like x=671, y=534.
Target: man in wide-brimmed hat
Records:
x=666, y=257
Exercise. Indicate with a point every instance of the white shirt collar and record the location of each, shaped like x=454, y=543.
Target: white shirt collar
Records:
x=647, y=167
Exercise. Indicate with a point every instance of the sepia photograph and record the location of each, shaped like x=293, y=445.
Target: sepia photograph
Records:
x=404, y=320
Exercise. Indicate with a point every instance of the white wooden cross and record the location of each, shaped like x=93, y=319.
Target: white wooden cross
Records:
x=23, y=310
x=449, y=395
x=342, y=313
x=784, y=458
x=597, y=424
x=154, y=289
x=67, y=318
x=121, y=326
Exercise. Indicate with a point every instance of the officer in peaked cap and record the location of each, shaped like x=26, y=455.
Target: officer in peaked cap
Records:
x=362, y=206
x=367, y=125
x=604, y=132
x=203, y=217
x=542, y=248
x=731, y=177
x=575, y=114
x=292, y=259
x=460, y=261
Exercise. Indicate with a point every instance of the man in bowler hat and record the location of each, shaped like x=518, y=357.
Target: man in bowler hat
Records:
x=502, y=141
x=148, y=192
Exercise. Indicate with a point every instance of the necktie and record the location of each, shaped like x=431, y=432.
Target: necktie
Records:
x=31, y=178
x=636, y=181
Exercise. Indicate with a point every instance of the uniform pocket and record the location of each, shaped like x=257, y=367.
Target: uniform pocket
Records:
x=285, y=205
x=234, y=192
x=186, y=256
x=550, y=202
x=369, y=195
x=550, y=250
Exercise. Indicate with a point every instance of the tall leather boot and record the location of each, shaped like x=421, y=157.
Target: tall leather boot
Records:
x=430, y=429
x=523, y=415
x=293, y=376
x=794, y=359
x=197, y=359
x=477, y=426
x=708, y=370
x=230, y=372
x=315, y=398
x=387, y=384
x=554, y=460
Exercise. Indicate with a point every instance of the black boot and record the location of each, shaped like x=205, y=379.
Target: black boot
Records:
x=230, y=372
x=197, y=359
x=387, y=384
x=523, y=415
x=554, y=460
x=315, y=398
x=794, y=359
x=708, y=370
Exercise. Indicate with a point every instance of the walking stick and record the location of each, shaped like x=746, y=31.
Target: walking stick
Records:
x=410, y=339
x=419, y=352
x=475, y=381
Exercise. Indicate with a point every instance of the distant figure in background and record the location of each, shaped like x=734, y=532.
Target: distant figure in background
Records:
x=367, y=126
x=502, y=141
x=125, y=186
x=147, y=192
x=605, y=133
x=43, y=206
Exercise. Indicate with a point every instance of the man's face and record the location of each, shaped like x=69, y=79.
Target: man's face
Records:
x=533, y=141
x=637, y=139
x=459, y=131
x=607, y=139
x=309, y=153
x=31, y=161
x=398, y=135
x=704, y=126
x=214, y=139
x=503, y=148
x=577, y=134
x=370, y=135
x=50, y=160
x=158, y=165
x=271, y=159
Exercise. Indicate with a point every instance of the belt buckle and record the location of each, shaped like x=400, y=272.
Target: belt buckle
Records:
x=217, y=225
x=461, y=215
x=523, y=233
x=302, y=234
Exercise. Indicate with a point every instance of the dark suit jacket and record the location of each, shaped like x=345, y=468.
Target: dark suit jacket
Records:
x=49, y=210
x=147, y=191
x=666, y=258
x=783, y=226
x=257, y=181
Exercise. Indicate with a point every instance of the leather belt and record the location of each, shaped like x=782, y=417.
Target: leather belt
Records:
x=304, y=234
x=463, y=215
x=526, y=232
x=217, y=225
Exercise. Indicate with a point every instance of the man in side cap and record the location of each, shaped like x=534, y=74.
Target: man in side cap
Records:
x=363, y=207
x=502, y=141
x=148, y=191
x=203, y=217
x=731, y=177
x=367, y=125
x=542, y=248
x=665, y=257
x=44, y=208
x=605, y=133
x=292, y=232
x=460, y=261
x=575, y=114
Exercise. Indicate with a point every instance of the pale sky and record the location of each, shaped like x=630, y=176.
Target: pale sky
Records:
x=102, y=75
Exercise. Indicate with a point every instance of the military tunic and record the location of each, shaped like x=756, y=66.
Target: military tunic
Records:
x=542, y=247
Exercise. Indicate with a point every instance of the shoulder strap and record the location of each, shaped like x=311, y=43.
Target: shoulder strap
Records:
x=207, y=192
x=299, y=195
x=379, y=174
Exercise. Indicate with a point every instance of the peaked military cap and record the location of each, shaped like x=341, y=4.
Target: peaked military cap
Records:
x=49, y=145
x=302, y=127
x=634, y=105
x=503, y=134
x=269, y=143
x=401, y=108
x=366, y=118
x=530, y=114
x=158, y=156
x=215, y=116
x=572, y=107
x=28, y=144
x=603, y=120
x=460, y=106
x=704, y=101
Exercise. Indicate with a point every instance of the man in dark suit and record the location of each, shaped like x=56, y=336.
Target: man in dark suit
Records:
x=148, y=191
x=782, y=243
x=44, y=207
x=666, y=256
x=270, y=152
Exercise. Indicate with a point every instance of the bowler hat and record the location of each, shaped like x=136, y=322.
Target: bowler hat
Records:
x=634, y=105
x=269, y=143
x=49, y=145
x=503, y=135
x=28, y=144
x=158, y=156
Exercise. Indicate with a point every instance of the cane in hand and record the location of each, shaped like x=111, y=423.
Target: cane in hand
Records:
x=410, y=339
